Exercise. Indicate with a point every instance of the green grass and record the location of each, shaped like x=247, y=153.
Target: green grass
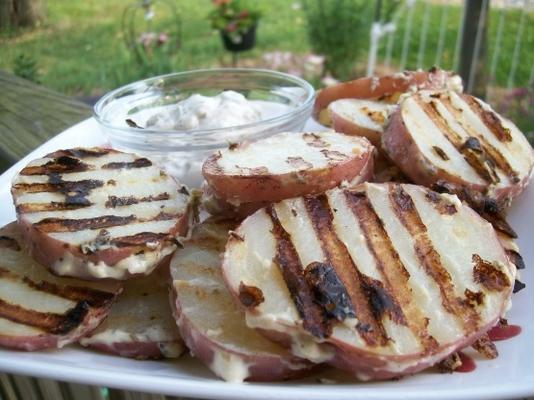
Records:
x=80, y=50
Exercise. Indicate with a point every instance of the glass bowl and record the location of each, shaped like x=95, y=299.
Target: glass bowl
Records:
x=287, y=100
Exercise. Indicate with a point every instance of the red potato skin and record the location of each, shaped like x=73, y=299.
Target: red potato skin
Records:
x=262, y=368
x=219, y=206
x=47, y=341
x=137, y=350
x=47, y=250
x=346, y=126
x=367, y=366
x=272, y=188
x=371, y=87
x=402, y=149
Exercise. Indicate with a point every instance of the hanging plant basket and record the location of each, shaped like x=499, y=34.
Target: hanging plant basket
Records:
x=247, y=42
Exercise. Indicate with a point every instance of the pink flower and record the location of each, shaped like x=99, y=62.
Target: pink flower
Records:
x=231, y=27
x=162, y=38
x=220, y=3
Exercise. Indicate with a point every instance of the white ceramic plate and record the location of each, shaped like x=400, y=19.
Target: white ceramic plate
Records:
x=511, y=375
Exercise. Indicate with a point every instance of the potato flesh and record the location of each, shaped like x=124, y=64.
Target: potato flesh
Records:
x=289, y=152
x=456, y=238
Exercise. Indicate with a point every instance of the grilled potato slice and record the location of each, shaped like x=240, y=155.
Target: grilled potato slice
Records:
x=459, y=139
x=385, y=88
x=98, y=213
x=38, y=310
x=286, y=165
x=239, y=210
x=360, y=118
x=210, y=322
x=381, y=280
x=140, y=324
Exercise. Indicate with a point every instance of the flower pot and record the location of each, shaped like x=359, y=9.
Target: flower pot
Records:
x=247, y=42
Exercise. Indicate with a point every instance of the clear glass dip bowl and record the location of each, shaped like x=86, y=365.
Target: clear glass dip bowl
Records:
x=287, y=99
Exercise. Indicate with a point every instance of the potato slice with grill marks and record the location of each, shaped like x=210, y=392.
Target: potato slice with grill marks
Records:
x=287, y=165
x=39, y=310
x=457, y=138
x=360, y=117
x=386, y=88
x=140, y=324
x=212, y=324
x=96, y=213
x=381, y=280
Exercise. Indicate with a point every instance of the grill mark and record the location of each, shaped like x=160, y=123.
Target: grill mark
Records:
x=59, y=187
x=28, y=208
x=490, y=119
x=299, y=162
x=289, y=263
x=105, y=221
x=488, y=275
x=338, y=256
x=333, y=156
x=515, y=258
x=314, y=140
x=473, y=158
x=82, y=152
x=442, y=205
x=62, y=164
x=494, y=155
x=393, y=272
x=93, y=297
x=139, y=163
x=115, y=201
x=52, y=323
x=329, y=291
x=73, y=225
x=430, y=259
x=141, y=239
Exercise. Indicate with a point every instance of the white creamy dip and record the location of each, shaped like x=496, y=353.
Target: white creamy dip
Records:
x=226, y=109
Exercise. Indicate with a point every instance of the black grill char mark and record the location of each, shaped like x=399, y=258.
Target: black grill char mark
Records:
x=105, y=221
x=7, y=242
x=488, y=275
x=93, y=297
x=339, y=258
x=115, y=201
x=56, y=185
x=430, y=259
x=81, y=152
x=330, y=293
x=138, y=163
x=515, y=258
x=27, y=208
x=439, y=151
x=394, y=295
x=493, y=155
x=290, y=266
x=53, y=323
x=490, y=119
x=74, y=225
x=61, y=164
x=475, y=159
x=441, y=204
x=141, y=239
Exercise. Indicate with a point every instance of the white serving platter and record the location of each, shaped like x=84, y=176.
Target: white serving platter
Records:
x=511, y=375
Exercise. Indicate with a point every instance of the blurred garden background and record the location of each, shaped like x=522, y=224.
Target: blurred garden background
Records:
x=85, y=48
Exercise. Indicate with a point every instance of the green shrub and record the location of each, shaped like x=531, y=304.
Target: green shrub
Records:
x=339, y=30
x=25, y=66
